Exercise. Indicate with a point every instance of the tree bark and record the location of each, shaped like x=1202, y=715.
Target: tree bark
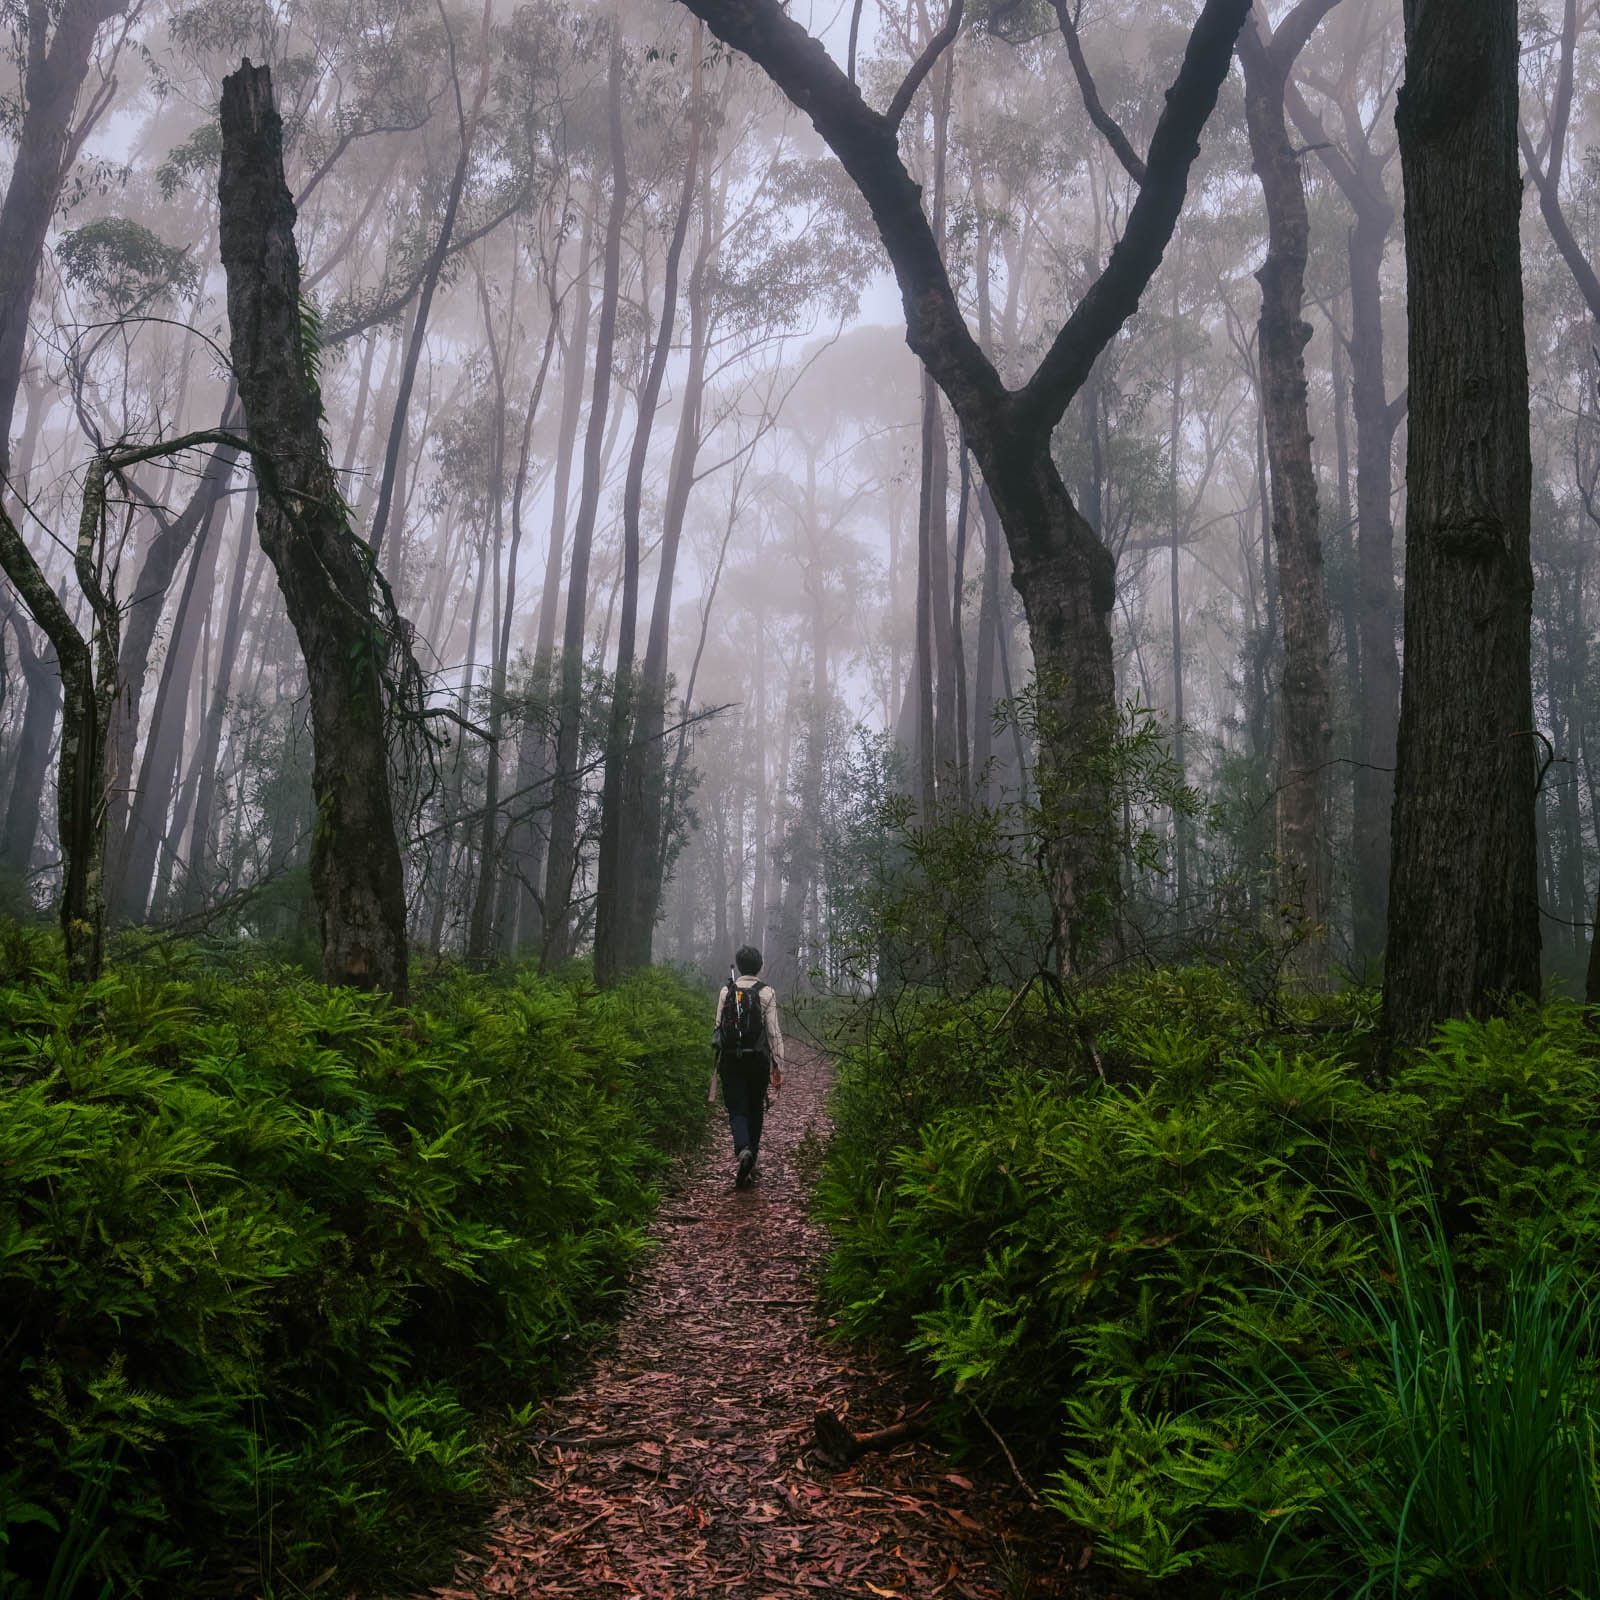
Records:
x=1463, y=905
x=32, y=760
x=327, y=575
x=1306, y=723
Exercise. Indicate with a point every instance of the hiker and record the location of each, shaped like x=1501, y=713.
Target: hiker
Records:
x=749, y=1057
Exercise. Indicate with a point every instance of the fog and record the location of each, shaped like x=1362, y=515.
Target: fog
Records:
x=816, y=635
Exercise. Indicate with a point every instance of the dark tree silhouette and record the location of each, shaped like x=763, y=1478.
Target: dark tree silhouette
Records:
x=1463, y=901
x=326, y=573
x=1063, y=572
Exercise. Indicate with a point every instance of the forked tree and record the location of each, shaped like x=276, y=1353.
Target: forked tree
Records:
x=1063, y=572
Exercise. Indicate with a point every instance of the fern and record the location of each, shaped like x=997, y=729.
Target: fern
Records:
x=273, y=1249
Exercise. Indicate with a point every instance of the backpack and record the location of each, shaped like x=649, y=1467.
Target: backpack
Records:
x=743, y=1025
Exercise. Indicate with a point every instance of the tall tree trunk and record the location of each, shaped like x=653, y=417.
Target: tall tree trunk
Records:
x=562, y=869
x=621, y=934
x=1180, y=823
x=325, y=572
x=1463, y=902
x=930, y=527
x=129, y=893
x=948, y=754
x=528, y=843
x=958, y=645
x=240, y=605
x=445, y=853
x=989, y=624
x=1379, y=715
x=31, y=764
x=132, y=810
x=1359, y=175
x=648, y=752
x=491, y=902
x=1306, y=724
x=88, y=680
x=467, y=129
x=55, y=64
x=763, y=795
x=480, y=921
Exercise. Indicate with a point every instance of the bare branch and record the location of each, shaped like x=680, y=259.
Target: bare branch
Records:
x=1114, y=296
x=1098, y=115
x=924, y=64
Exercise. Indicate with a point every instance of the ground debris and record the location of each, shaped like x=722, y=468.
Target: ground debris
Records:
x=686, y=1467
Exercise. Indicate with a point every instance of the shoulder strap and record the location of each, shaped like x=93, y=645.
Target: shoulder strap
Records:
x=756, y=987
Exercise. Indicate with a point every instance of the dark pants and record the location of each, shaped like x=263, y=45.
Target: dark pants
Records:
x=744, y=1093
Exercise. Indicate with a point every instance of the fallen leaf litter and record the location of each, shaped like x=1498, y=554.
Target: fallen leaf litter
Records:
x=685, y=1465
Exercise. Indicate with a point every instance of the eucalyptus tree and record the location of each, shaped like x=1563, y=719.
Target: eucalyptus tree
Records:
x=1463, y=904
x=1062, y=571
x=1357, y=152
x=1268, y=56
x=327, y=574
x=562, y=864
x=774, y=249
x=617, y=937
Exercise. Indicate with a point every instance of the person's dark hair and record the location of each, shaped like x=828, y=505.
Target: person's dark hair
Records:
x=748, y=960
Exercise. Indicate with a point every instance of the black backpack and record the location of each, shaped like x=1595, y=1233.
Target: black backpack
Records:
x=742, y=1027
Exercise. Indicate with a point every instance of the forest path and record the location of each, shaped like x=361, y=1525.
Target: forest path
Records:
x=685, y=1465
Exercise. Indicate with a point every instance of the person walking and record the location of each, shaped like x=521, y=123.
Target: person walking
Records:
x=748, y=1043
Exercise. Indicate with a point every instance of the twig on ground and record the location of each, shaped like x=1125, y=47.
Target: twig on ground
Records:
x=1016, y=1471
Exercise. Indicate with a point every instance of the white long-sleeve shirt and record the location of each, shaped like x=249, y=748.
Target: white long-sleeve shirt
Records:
x=769, y=1014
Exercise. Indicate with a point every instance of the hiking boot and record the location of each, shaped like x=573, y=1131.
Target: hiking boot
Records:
x=747, y=1166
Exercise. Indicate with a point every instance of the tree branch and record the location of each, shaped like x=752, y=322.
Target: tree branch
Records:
x=1098, y=115
x=865, y=143
x=1291, y=36
x=924, y=64
x=1114, y=296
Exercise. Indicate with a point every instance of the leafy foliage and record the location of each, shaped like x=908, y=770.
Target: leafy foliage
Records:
x=1139, y=1228
x=125, y=266
x=269, y=1251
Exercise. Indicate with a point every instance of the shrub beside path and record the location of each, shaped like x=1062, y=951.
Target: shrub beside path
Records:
x=686, y=1466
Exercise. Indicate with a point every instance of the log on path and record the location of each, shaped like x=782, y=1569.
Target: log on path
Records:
x=686, y=1465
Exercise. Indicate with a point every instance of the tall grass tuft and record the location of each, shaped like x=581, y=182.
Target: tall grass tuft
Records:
x=1446, y=1440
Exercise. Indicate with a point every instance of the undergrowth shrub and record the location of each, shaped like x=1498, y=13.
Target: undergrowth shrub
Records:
x=1080, y=1213
x=270, y=1252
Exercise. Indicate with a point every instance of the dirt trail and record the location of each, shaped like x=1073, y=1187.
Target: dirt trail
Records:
x=685, y=1465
